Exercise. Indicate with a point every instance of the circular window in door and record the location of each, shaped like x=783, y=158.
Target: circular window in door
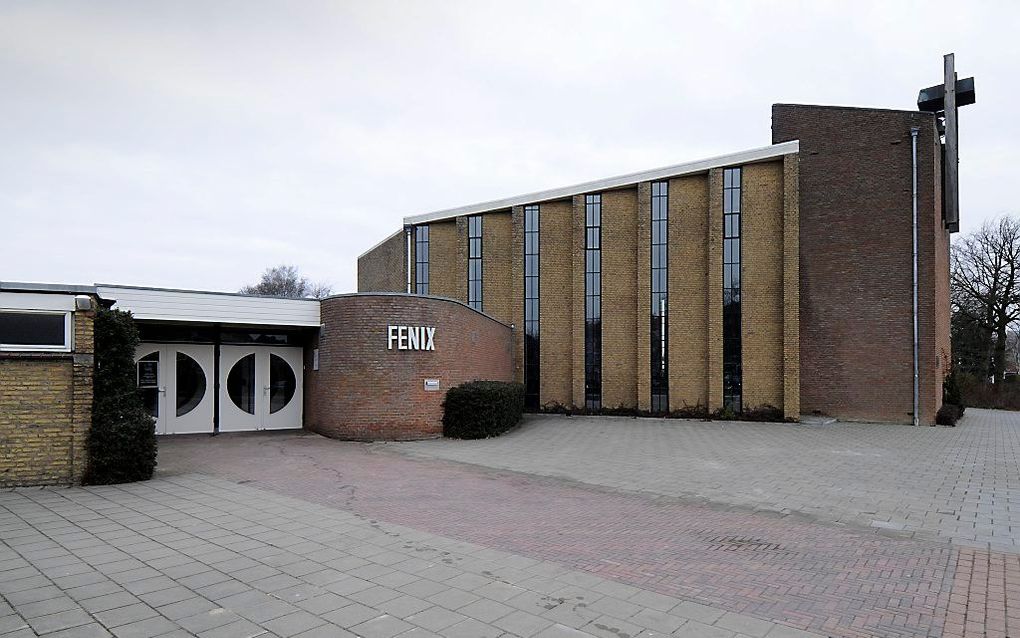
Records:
x=148, y=382
x=190, y=384
x=241, y=384
x=282, y=383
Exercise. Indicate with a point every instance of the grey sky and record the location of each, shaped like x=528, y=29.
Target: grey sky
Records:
x=192, y=144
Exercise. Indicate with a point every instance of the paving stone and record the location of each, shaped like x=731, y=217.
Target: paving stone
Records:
x=60, y=620
x=351, y=615
x=472, y=628
x=124, y=615
x=293, y=623
x=384, y=626
x=521, y=623
x=695, y=629
x=91, y=630
x=238, y=629
x=743, y=624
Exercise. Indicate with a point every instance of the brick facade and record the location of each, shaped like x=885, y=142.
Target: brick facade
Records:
x=46, y=411
x=695, y=288
x=855, y=261
x=826, y=276
x=384, y=268
x=365, y=391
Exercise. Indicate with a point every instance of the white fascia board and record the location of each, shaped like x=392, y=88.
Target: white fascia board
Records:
x=36, y=301
x=164, y=304
x=381, y=243
x=732, y=159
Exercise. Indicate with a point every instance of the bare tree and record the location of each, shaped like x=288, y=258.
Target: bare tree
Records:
x=985, y=278
x=286, y=281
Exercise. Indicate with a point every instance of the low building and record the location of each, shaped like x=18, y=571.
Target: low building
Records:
x=358, y=366
x=780, y=276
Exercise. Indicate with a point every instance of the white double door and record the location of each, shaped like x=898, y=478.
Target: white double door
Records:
x=176, y=384
x=260, y=388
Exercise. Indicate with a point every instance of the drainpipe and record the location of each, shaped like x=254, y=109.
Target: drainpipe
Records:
x=913, y=149
x=407, y=235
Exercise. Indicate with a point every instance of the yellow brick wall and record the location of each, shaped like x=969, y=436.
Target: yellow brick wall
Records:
x=555, y=304
x=517, y=289
x=762, y=284
x=770, y=288
x=577, y=298
x=791, y=286
x=643, y=289
x=619, y=298
x=384, y=269
x=713, y=288
x=46, y=412
x=498, y=249
x=447, y=276
x=688, y=292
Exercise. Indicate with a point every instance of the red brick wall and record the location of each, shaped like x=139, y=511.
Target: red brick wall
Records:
x=855, y=261
x=365, y=391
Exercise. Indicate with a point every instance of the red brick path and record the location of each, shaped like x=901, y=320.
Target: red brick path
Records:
x=824, y=578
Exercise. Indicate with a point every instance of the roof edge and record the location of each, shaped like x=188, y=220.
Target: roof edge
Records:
x=741, y=157
x=380, y=243
x=382, y=293
x=201, y=292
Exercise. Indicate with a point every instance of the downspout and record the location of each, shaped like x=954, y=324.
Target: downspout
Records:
x=407, y=235
x=913, y=148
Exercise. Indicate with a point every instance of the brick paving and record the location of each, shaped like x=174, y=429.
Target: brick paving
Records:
x=961, y=483
x=792, y=568
x=199, y=556
x=610, y=547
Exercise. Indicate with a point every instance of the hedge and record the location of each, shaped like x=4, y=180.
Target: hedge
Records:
x=122, y=440
x=948, y=414
x=480, y=409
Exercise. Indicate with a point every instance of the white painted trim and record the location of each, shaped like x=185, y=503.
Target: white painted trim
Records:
x=35, y=301
x=155, y=304
x=732, y=159
x=68, y=344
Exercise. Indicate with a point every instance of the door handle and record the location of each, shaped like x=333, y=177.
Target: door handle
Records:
x=162, y=390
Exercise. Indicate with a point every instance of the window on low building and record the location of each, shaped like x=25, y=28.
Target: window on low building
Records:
x=35, y=330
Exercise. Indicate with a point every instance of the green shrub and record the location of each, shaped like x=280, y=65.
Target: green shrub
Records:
x=481, y=409
x=948, y=414
x=122, y=441
x=951, y=392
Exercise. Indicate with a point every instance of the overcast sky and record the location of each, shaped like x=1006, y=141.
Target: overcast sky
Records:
x=193, y=144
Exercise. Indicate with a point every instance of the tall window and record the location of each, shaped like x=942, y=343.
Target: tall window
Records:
x=732, y=374
x=593, y=301
x=475, y=261
x=421, y=260
x=659, y=288
x=531, y=308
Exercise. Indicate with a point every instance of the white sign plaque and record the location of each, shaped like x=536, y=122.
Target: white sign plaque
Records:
x=411, y=338
x=431, y=385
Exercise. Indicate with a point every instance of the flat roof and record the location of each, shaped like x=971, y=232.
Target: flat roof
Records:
x=26, y=286
x=750, y=156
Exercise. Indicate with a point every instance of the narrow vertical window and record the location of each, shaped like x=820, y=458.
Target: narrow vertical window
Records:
x=531, y=308
x=475, y=262
x=593, y=302
x=421, y=260
x=659, y=289
x=732, y=374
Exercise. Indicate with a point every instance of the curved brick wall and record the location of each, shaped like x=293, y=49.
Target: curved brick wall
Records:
x=365, y=391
